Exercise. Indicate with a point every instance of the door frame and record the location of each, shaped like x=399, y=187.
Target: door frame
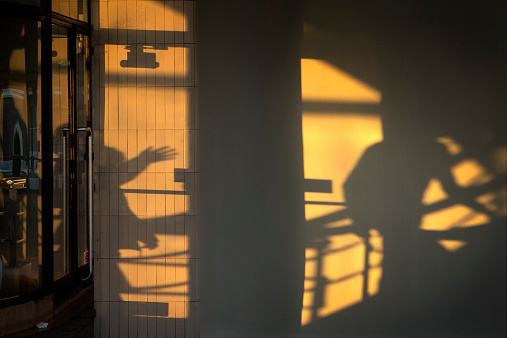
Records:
x=64, y=287
x=67, y=285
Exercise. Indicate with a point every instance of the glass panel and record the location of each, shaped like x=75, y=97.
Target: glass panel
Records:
x=61, y=146
x=82, y=101
x=76, y=9
x=20, y=167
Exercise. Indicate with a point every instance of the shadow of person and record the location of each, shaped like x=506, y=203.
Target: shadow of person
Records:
x=145, y=158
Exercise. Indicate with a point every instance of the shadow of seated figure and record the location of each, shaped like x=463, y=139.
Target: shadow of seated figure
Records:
x=421, y=282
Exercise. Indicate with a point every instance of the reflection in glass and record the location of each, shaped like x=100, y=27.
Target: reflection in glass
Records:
x=61, y=146
x=76, y=9
x=82, y=105
x=20, y=167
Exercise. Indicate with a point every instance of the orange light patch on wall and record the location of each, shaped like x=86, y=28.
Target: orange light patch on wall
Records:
x=451, y=245
x=337, y=272
x=434, y=192
x=455, y=216
x=470, y=172
x=333, y=142
x=453, y=147
x=167, y=15
x=495, y=201
x=321, y=81
x=161, y=274
x=332, y=146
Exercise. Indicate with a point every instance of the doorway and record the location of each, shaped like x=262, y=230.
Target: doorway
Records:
x=72, y=157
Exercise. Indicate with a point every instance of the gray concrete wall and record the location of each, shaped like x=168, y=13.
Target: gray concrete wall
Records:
x=421, y=204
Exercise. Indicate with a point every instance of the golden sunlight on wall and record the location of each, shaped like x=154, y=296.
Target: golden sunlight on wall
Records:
x=333, y=141
x=467, y=173
x=146, y=174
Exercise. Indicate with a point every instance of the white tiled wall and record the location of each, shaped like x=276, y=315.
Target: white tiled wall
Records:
x=146, y=218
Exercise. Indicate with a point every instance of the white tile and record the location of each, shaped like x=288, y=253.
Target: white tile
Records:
x=103, y=274
x=104, y=319
x=122, y=102
x=112, y=21
x=142, y=280
x=162, y=153
x=131, y=196
x=104, y=237
x=122, y=150
x=179, y=21
x=122, y=55
x=189, y=64
x=150, y=196
x=103, y=37
x=190, y=321
x=190, y=234
x=169, y=21
x=160, y=107
x=142, y=321
x=112, y=151
x=180, y=240
x=112, y=108
x=132, y=150
x=143, y=241
x=179, y=145
x=142, y=135
x=196, y=194
x=141, y=196
x=179, y=65
x=131, y=17
x=190, y=108
x=132, y=323
x=113, y=194
x=169, y=107
x=190, y=150
x=114, y=319
x=132, y=108
x=152, y=319
x=97, y=295
x=189, y=10
x=132, y=244
x=159, y=21
x=103, y=191
x=160, y=197
x=113, y=237
x=124, y=319
x=141, y=16
x=169, y=198
x=150, y=108
x=103, y=156
x=180, y=325
x=150, y=21
x=161, y=233
x=123, y=232
x=150, y=154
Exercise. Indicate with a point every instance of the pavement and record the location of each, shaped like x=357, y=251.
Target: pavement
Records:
x=80, y=326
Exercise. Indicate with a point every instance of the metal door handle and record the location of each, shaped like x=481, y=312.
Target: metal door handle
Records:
x=90, y=198
x=64, y=197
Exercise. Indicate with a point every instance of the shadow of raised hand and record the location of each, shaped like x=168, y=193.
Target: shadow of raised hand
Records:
x=160, y=154
x=151, y=155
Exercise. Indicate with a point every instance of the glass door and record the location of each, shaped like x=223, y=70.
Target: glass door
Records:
x=61, y=151
x=83, y=146
x=20, y=159
x=71, y=154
